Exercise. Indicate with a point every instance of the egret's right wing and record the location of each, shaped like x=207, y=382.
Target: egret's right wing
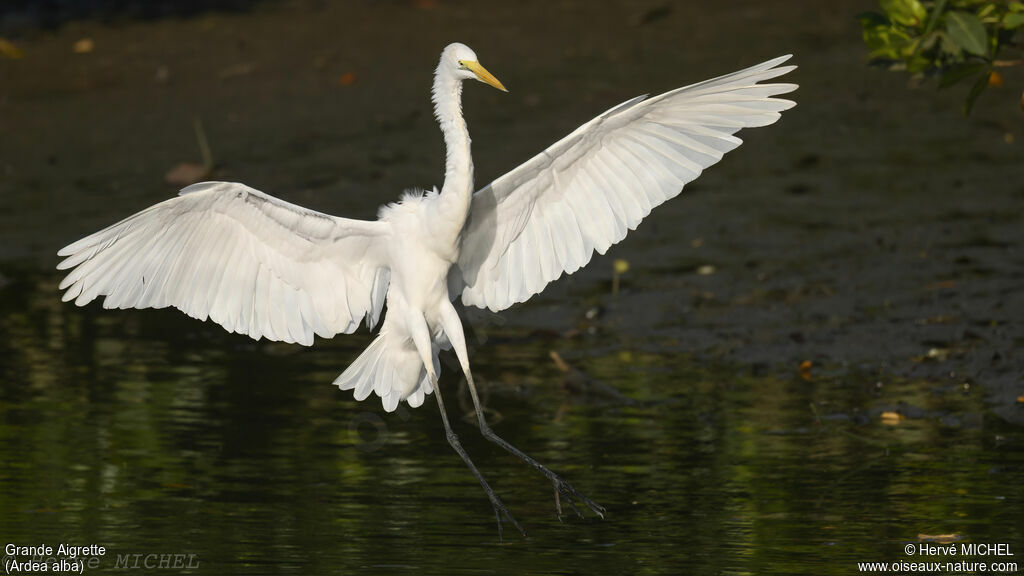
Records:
x=254, y=264
x=548, y=216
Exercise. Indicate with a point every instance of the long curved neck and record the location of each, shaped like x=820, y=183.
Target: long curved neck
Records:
x=457, y=191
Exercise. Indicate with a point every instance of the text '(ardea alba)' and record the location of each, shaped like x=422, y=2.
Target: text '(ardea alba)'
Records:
x=266, y=268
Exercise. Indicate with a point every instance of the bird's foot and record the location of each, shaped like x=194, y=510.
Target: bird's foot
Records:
x=572, y=494
x=499, y=510
x=562, y=488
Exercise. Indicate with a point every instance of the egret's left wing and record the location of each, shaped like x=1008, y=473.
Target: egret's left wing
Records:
x=548, y=216
x=255, y=264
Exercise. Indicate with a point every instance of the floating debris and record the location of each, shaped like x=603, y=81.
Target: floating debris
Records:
x=934, y=355
x=805, y=369
x=8, y=49
x=652, y=14
x=939, y=538
x=83, y=46
x=892, y=418
x=162, y=75
x=619, y=267
x=187, y=173
x=236, y=70
x=577, y=382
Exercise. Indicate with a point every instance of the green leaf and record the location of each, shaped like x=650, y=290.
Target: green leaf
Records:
x=929, y=42
x=967, y=30
x=976, y=91
x=1013, y=20
x=885, y=42
x=954, y=74
x=905, y=12
x=937, y=11
x=917, y=64
x=909, y=50
x=950, y=48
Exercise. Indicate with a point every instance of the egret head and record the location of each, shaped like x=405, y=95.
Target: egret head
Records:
x=463, y=63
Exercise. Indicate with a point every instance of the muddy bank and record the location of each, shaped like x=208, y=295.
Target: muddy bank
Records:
x=874, y=231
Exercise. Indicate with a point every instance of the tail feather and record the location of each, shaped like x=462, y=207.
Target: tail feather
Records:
x=416, y=398
x=362, y=370
x=392, y=369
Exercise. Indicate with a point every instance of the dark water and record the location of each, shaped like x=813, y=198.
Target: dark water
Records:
x=148, y=433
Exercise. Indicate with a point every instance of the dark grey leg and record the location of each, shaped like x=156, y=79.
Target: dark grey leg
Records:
x=453, y=440
x=561, y=486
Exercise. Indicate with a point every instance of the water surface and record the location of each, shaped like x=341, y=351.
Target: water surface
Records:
x=146, y=432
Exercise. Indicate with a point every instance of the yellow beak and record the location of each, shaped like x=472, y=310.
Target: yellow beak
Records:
x=483, y=75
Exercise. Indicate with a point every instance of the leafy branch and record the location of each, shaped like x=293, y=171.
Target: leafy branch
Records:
x=955, y=40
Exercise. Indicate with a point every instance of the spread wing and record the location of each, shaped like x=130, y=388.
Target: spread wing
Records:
x=250, y=262
x=549, y=215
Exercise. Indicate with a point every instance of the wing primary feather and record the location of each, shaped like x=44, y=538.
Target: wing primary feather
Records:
x=650, y=185
x=221, y=284
x=578, y=247
x=632, y=188
x=275, y=311
x=602, y=203
x=633, y=210
x=533, y=259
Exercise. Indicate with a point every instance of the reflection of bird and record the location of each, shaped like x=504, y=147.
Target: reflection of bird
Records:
x=266, y=268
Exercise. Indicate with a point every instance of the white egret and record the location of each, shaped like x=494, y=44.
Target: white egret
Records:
x=269, y=269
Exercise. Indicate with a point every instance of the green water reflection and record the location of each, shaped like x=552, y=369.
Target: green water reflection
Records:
x=146, y=432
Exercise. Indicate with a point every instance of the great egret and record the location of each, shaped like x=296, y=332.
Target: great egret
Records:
x=263, y=267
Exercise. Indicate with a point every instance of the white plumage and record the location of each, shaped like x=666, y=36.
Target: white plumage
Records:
x=264, y=267
x=582, y=194
x=252, y=263
x=269, y=269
